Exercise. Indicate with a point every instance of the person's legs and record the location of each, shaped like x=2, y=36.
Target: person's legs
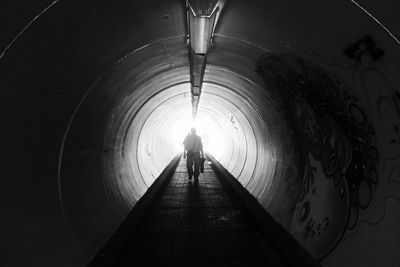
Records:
x=189, y=166
x=197, y=162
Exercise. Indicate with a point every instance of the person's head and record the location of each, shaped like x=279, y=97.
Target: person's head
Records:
x=193, y=131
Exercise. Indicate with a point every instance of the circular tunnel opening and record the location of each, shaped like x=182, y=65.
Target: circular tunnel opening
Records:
x=230, y=125
x=145, y=113
x=119, y=150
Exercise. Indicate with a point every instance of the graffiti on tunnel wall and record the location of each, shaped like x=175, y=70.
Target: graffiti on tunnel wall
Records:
x=335, y=147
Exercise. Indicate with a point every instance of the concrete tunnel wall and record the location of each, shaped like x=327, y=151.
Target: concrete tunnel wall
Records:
x=92, y=91
x=147, y=114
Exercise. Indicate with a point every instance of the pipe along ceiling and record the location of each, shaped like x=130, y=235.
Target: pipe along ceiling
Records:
x=300, y=107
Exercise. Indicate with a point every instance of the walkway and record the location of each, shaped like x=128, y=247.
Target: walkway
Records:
x=198, y=224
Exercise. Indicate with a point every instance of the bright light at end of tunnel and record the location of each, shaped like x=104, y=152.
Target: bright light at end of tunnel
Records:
x=209, y=131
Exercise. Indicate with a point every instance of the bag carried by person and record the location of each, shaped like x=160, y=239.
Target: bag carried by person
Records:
x=202, y=160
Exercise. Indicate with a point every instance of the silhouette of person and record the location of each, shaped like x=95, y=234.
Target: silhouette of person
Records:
x=193, y=151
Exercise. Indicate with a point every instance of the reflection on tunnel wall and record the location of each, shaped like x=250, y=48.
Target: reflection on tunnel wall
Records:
x=339, y=170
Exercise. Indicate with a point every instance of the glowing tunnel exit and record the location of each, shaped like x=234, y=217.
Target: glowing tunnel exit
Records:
x=217, y=126
x=207, y=128
x=223, y=127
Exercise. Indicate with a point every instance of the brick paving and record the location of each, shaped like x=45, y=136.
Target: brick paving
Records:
x=198, y=224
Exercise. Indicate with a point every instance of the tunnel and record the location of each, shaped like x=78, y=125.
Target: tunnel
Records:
x=300, y=103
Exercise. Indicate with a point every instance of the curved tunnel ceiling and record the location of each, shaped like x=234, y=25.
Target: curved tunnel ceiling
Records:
x=109, y=84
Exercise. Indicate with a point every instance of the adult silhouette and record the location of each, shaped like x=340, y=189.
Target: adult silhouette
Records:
x=193, y=152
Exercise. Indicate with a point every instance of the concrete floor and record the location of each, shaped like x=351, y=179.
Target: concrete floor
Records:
x=198, y=224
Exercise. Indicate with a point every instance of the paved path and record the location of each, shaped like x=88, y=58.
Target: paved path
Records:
x=198, y=224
